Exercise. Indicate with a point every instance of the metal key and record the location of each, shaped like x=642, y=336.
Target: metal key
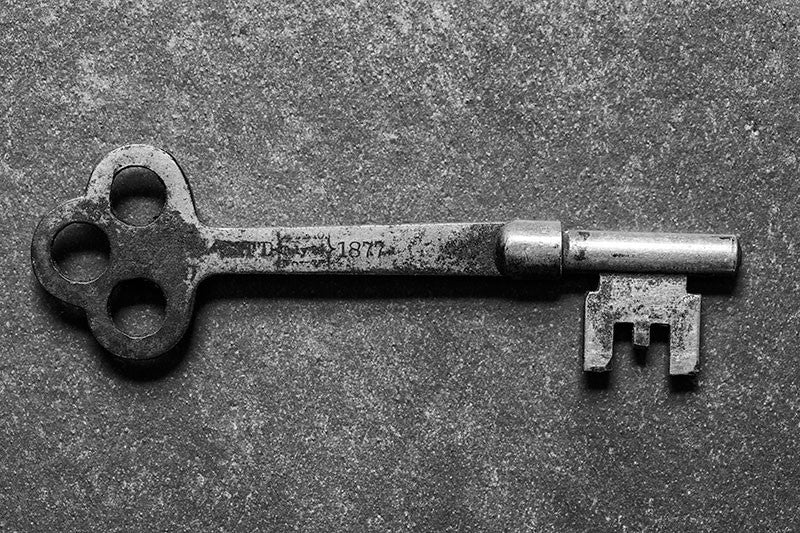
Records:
x=642, y=275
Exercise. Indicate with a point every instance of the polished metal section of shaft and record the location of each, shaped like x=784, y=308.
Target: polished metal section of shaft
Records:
x=664, y=253
x=531, y=248
x=540, y=249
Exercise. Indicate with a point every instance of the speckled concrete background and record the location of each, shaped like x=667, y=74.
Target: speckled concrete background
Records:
x=407, y=404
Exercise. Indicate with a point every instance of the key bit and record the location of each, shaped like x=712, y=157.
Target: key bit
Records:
x=642, y=275
x=642, y=300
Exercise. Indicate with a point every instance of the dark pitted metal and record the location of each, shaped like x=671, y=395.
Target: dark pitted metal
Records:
x=159, y=251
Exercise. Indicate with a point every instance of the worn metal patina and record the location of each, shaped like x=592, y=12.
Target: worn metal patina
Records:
x=176, y=252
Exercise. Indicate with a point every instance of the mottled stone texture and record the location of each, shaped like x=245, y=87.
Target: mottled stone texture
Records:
x=408, y=404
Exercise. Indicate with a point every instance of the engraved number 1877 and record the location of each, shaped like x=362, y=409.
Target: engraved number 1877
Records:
x=359, y=248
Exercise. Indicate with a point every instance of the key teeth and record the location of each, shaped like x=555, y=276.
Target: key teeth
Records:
x=642, y=300
x=641, y=334
x=594, y=367
x=684, y=345
x=595, y=361
x=598, y=341
x=683, y=367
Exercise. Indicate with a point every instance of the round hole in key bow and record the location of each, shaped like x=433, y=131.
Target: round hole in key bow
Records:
x=80, y=252
x=137, y=307
x=138, y=195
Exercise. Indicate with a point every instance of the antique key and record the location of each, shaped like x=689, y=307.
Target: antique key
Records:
x=642, y=275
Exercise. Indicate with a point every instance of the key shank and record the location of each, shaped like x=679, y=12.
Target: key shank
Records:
x=402, y=249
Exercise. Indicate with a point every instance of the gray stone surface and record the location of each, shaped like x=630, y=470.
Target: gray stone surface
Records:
x=407, y=404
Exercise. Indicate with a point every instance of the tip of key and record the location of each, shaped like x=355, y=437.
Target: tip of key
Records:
x=642, y=300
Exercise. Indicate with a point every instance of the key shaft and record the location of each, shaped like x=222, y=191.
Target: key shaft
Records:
x=521, y=248
x=402, y=249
